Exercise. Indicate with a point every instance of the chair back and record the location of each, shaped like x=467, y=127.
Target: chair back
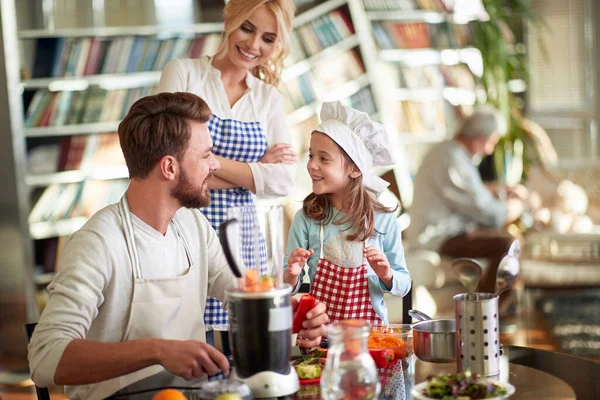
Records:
x=42, y=393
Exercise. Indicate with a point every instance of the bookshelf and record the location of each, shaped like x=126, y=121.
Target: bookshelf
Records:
x=427, y=65
x=70, y=83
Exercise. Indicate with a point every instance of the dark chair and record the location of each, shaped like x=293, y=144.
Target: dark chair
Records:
x=42, y=393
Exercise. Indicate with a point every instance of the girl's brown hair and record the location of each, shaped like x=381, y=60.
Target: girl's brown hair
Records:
x=359, y=206
x=238, y=11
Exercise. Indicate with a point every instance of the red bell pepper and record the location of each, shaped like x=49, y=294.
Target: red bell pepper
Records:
x=382, y=357
x=307, y=303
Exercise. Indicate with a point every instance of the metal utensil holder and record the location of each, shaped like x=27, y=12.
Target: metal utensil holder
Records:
x=477, y=333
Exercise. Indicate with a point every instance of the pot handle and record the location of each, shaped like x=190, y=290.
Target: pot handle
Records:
x=418, y=315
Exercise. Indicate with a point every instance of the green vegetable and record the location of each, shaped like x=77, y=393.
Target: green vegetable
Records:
x=308, y=371
x=463, y=386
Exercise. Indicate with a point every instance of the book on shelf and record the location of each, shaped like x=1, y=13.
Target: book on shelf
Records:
x=320, y=33
x=94, y=104
x=429, y=118
x=61, y=201
x=408, y=5
x=71, y=56
x=325, y=78
x=425, y=77
x=420, y=118
x=90, y=152
x=364, y=100
x=420, y=35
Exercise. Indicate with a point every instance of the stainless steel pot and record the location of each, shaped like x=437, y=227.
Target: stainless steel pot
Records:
x=434, y=340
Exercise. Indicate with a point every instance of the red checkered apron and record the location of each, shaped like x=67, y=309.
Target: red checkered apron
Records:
x=344, y=290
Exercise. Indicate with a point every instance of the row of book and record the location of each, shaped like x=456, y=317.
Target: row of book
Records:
x=320, y=33
x=89, y=152
x=436, y=77
x=322, y=80
x=419, y=35
x=405, y=5
x=70, y=56
x=94, y=104
x=434, y=118
x=82, y=199
x=67, y=56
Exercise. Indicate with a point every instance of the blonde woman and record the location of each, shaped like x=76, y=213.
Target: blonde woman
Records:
x=248, y=125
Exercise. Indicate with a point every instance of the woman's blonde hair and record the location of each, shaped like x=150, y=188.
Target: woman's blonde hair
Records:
x=358, y=204
x=238, y=11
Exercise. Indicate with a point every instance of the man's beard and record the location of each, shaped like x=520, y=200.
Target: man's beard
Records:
x=190, y=196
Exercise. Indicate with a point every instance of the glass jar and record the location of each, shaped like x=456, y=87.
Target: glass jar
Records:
x=350, y=371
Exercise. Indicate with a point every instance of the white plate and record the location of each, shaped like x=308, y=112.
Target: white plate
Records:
x=417, y=391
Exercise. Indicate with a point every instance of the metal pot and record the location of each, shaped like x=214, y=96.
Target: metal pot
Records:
x=434, y=340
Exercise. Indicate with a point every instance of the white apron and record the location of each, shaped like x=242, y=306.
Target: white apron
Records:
x=166, y=308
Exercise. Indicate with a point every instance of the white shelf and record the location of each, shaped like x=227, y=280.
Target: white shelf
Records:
x=64, y=227
x=305, y=65
x=322, y=9
x=146, y=30
x=431, y=17
x=77, y=129
x=413, y=138
x=108, y=81
x=346, y=90
x=75, y=176
x=455, y=96
x=417, y=57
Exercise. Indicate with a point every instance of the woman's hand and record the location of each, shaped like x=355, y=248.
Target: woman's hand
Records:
x=380, y=264
x=313, y=327
x=279, y=153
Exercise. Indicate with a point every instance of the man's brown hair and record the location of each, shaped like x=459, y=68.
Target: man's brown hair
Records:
x=158, y=125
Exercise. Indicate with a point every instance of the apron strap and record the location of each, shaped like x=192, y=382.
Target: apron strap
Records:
x=130, y=237
x=186, y=246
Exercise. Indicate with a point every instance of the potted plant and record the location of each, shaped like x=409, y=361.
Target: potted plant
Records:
x=504, y=68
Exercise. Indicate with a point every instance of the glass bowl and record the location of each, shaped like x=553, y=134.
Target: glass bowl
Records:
x=398, y=337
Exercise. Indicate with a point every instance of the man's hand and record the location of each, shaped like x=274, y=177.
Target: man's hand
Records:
x=191, y=359
x=313, y=326
x=380, y=264
x=279, y=153
x=296, y=262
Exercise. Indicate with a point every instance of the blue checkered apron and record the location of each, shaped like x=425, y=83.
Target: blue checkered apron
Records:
x=243, y=142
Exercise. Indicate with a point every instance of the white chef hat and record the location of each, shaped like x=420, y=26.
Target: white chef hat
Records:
x=366, y=142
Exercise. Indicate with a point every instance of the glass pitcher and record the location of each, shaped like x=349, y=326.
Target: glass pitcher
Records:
x=350, y=372
x=256, y=242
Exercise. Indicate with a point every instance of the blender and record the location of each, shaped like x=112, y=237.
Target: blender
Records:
x=260, y=311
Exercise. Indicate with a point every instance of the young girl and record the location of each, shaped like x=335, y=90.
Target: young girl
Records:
x=351, y=241
x=248, y=126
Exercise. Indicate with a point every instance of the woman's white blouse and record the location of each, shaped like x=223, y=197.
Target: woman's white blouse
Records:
x=261, y=102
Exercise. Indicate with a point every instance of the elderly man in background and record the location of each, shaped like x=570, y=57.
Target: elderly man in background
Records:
x=454, y=212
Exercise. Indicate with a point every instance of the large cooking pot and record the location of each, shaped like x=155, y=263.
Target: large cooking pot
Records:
x=434, y=340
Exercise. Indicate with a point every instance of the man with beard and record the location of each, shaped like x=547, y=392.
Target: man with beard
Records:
x=128, y=300
x=453, y=211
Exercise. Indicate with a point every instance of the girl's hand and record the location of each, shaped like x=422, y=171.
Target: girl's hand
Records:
x=279, y=153
x=297, y=260
x=380, y=264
